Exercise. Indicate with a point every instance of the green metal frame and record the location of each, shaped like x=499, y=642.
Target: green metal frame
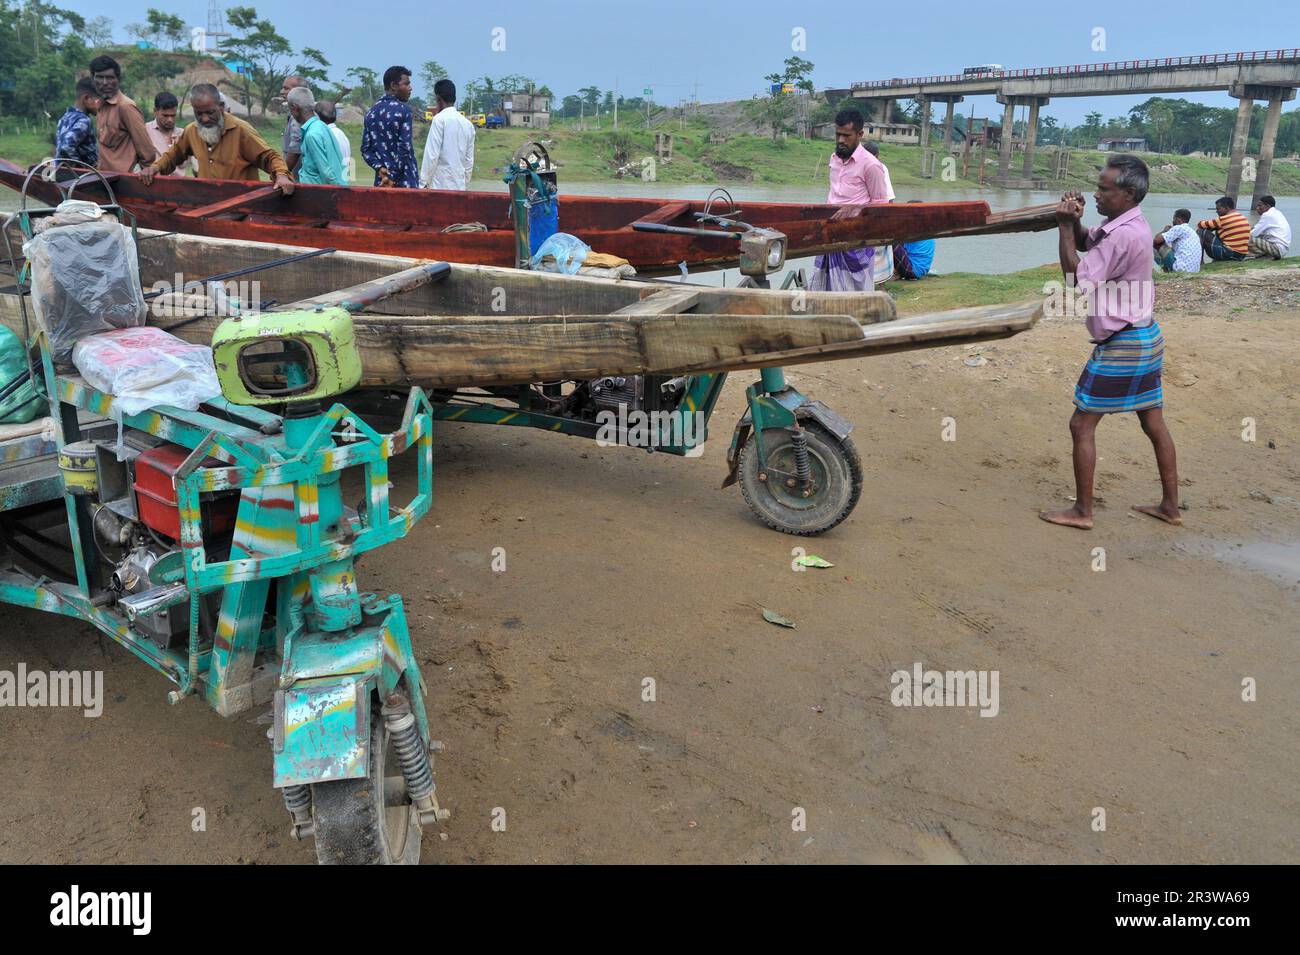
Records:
x=335, y=647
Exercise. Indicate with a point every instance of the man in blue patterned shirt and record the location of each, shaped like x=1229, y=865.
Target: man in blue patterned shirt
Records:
x=386, y=140
x=74, y=138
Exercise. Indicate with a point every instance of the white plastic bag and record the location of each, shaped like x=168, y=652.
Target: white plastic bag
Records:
x=144, y=367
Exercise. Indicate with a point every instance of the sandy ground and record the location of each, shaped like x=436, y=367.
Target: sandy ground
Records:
x=1119, y=689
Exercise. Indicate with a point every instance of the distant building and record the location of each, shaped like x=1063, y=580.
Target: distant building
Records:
x=1123, y=144
x=880, y=132
x=531, y=110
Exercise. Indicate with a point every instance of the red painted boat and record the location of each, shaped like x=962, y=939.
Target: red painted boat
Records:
x=415, y=222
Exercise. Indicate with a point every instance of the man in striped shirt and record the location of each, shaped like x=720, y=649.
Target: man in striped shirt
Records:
x=1227, y=238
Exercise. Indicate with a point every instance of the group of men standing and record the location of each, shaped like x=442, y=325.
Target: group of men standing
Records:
x=105, y=129
x=387, y=140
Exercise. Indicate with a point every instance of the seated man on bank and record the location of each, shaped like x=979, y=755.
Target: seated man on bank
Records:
x=1226, y=238
x=1272, y=233
x=225, y=146
x=1178, y=249
x=913, y=260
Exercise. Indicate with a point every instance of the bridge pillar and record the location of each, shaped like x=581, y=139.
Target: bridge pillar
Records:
x=1269, y=140
x=923, y=102
x=1004, y=148
x=1031, y=134
x=947, y=122
x=1237, y=152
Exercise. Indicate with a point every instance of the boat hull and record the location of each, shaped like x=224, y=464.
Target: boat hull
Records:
x=412, y=222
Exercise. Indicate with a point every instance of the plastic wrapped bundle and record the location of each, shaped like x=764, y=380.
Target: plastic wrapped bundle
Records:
x=85, y=280
x=19, y=400
x=145, y=367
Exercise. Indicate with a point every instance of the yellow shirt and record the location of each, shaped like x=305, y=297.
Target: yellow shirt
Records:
x=239, y=154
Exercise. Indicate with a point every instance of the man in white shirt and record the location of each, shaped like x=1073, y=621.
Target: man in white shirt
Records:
x=1178, y=247
x=1272, y=233
x=328, y=114
x=873, y=147
x=449, y=150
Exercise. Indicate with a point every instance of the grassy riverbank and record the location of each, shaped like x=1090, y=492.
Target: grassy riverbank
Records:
x=596, y=155
x=935, y=293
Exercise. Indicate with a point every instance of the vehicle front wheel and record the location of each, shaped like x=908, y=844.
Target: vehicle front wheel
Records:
x=772, y=491
x=367, y=821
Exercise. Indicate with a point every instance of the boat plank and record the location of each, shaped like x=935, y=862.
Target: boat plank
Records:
x=667, y=301
x=228, y=205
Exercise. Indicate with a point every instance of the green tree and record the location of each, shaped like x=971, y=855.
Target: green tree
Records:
x=99, y=33
x=430, y=72
x=313, y=67
x=166, y=27
x=588, y=102
x=265, y=52
x=41, y=50
x=367, y=83
x=777, y=111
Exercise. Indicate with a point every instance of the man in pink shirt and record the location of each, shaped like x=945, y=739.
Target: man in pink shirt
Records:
x=857, y=179
x=1123, y=373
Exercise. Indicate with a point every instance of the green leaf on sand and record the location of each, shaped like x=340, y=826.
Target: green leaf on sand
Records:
x=771, y=616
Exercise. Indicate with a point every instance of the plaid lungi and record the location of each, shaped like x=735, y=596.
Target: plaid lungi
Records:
x=843, y=272
x=1269, y=247
x=1123, y=373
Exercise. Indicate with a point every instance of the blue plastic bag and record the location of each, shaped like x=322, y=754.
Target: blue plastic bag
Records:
x=19, y=402
x=543, y=219
x=568, y=250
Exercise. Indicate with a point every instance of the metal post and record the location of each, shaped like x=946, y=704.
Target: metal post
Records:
x=773, y=379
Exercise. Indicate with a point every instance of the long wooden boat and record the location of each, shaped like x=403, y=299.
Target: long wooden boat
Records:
x=482, y=326
x=428, y=224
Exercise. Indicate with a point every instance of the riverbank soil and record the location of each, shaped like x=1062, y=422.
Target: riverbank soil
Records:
x=1120, y=690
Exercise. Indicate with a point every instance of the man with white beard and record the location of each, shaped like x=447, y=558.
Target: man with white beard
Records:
x=225, y=146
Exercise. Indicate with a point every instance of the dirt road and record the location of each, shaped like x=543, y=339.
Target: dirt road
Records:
x=1119, y=689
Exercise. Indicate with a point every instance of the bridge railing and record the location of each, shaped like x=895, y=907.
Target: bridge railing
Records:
x=1208, y=59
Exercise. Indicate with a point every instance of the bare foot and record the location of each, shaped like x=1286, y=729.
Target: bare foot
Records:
x=1158, y=511
x=1070, y=517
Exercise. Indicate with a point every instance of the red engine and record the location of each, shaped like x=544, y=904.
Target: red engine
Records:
x=155, y=494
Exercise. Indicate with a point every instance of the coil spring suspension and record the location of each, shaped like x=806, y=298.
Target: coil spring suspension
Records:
x=802, y=467
x=413, y=758
x=297, y=799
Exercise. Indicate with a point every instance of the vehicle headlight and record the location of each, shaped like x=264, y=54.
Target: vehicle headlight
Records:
x=776, y=254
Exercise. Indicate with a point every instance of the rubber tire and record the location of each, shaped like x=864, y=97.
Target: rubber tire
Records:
x=838, y=500
x=349, y=814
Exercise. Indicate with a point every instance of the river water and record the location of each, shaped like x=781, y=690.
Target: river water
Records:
x=988, y=254
x=992, y=254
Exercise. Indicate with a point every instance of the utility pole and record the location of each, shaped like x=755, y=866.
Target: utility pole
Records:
x=616, y=102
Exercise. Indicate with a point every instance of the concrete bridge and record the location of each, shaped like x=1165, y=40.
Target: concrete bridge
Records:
x=1270, y=75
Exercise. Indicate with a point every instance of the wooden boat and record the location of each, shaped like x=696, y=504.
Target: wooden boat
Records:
x=415, y=222
x=482, y=326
